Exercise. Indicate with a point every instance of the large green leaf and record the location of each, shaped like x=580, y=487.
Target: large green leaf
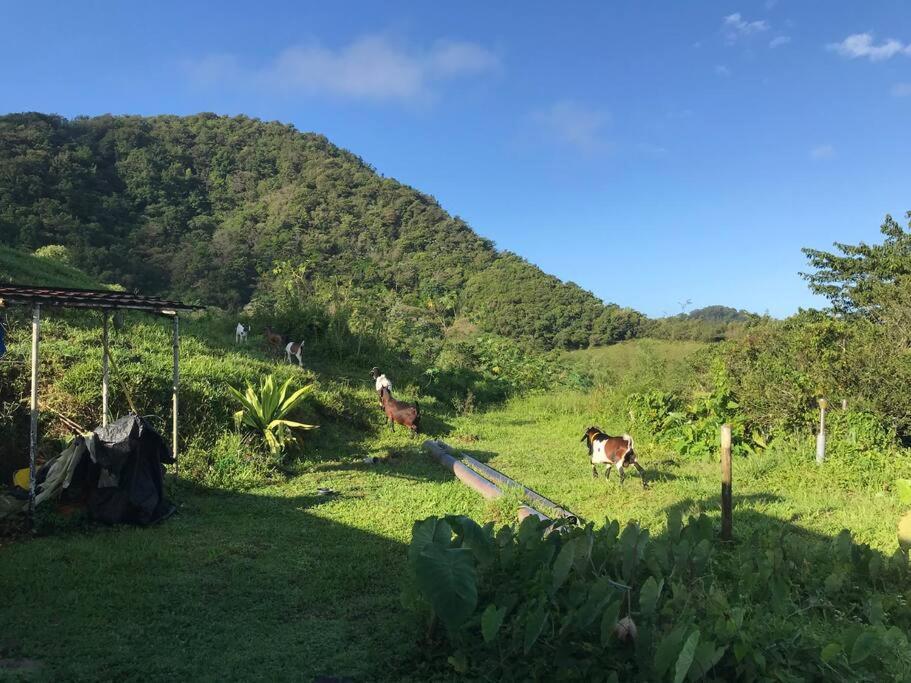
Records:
x=609, y=621
x=863, y=647
x=534, y=625
x=685, y=659
x=667, y=651
x=491, y=621
x=562, y=565
x=648, y=595
x=447, y=578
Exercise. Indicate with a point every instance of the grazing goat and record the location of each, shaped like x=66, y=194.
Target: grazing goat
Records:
x=616, y=451
x=294, y=349
x=273, y=339
x=240, y=334
x=405, y=414
x=382, y=382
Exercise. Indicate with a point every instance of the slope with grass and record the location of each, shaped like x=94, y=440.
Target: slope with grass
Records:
x=23, y=268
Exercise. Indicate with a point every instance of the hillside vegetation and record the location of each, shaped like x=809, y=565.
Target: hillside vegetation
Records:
x=204, y=207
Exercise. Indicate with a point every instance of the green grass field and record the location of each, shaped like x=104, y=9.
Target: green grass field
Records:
x=275, y=583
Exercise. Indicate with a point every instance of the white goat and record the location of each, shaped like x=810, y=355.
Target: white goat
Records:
x=240, y=334
x=294, y=349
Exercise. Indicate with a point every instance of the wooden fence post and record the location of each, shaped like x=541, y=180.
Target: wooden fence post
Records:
x=726, y=500
x=821, y=437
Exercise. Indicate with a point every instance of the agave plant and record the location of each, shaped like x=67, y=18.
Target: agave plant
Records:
x=263, y=409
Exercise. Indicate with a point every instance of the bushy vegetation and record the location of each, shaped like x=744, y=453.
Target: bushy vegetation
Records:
x=605, y=604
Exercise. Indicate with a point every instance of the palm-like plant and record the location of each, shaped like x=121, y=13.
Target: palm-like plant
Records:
x=263, y=409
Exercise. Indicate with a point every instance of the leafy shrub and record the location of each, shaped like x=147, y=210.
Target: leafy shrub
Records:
x=264, y=409
x=56, y=253
x=605, y=604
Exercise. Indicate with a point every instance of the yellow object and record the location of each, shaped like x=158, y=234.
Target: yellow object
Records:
x=20, y=478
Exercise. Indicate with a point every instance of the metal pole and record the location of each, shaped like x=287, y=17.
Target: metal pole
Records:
x=33, y=430
x=726, y=497
x=821, y=437
x=174, y=385
x=105, y=370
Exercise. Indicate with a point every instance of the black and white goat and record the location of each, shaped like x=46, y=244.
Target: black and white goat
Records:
x=611, y=451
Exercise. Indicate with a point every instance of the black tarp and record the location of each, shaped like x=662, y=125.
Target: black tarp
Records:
x=120, y=473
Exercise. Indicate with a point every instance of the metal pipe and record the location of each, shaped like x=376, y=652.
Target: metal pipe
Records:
x=33, y=427
x=496, y=475
x=105, y=370
x=465, y=474
x=174, y=386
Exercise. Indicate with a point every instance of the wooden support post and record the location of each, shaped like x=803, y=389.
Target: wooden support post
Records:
x=726, y=500
x=33, y=429
x=105, y=370
x=844, y=404
x=175, y=344
x=821, y=437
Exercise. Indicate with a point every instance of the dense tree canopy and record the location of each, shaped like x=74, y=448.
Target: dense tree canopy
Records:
x=203, y=207
x=863, y=276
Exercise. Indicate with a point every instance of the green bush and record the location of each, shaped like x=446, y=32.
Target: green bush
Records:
x=605, y=604
x=56, y=253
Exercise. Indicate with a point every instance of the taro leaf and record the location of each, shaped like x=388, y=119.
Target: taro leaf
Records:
x=447, y=578
x=830, y=652
x=562, y=565
x=863, y=647
x=903, y=488
x=667, y=651
x=534, y=626
x=473, y=537
x=425, y=531
x=842, y=545
x=707, y=656
x=685, y=660
x=609, y=621
x=648, y=595
x=491, y=621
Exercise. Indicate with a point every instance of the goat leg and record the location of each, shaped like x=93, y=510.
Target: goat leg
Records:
x=607, y=470
x=641, y=474
x=622, y=476
x=594, y=472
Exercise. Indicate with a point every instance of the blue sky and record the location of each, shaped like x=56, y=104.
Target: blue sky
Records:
x=652, y=152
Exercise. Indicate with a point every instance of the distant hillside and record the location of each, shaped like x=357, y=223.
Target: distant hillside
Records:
x=205, y=207
x=27, y=269
x=721, y=314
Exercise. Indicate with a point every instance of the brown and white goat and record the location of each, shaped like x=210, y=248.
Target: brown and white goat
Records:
x=405, y=414
x=612, y=451
x=295, y=349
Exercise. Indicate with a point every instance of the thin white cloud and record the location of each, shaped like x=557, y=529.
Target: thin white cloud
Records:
x=821, y=152
x=574, y=124
x=778, y=41
x=722, y=70
x=734, y=27
x=901, y=90
x=371, y=67
x=861, y=46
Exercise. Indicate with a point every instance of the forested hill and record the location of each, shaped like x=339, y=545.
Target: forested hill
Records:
x=204, y=207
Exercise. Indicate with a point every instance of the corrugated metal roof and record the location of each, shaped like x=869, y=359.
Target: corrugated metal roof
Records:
x=98, y=299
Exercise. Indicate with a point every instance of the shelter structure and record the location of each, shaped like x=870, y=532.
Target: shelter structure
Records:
x=108, y=302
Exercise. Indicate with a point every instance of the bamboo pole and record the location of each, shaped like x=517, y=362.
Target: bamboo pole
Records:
x=175, y=345
x=105, y=369
x=726, y=498
x=33, y=427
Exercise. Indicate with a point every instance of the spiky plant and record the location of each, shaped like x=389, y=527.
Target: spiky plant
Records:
x=263, y=409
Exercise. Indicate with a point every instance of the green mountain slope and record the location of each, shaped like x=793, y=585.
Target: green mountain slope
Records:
x=203, y=207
